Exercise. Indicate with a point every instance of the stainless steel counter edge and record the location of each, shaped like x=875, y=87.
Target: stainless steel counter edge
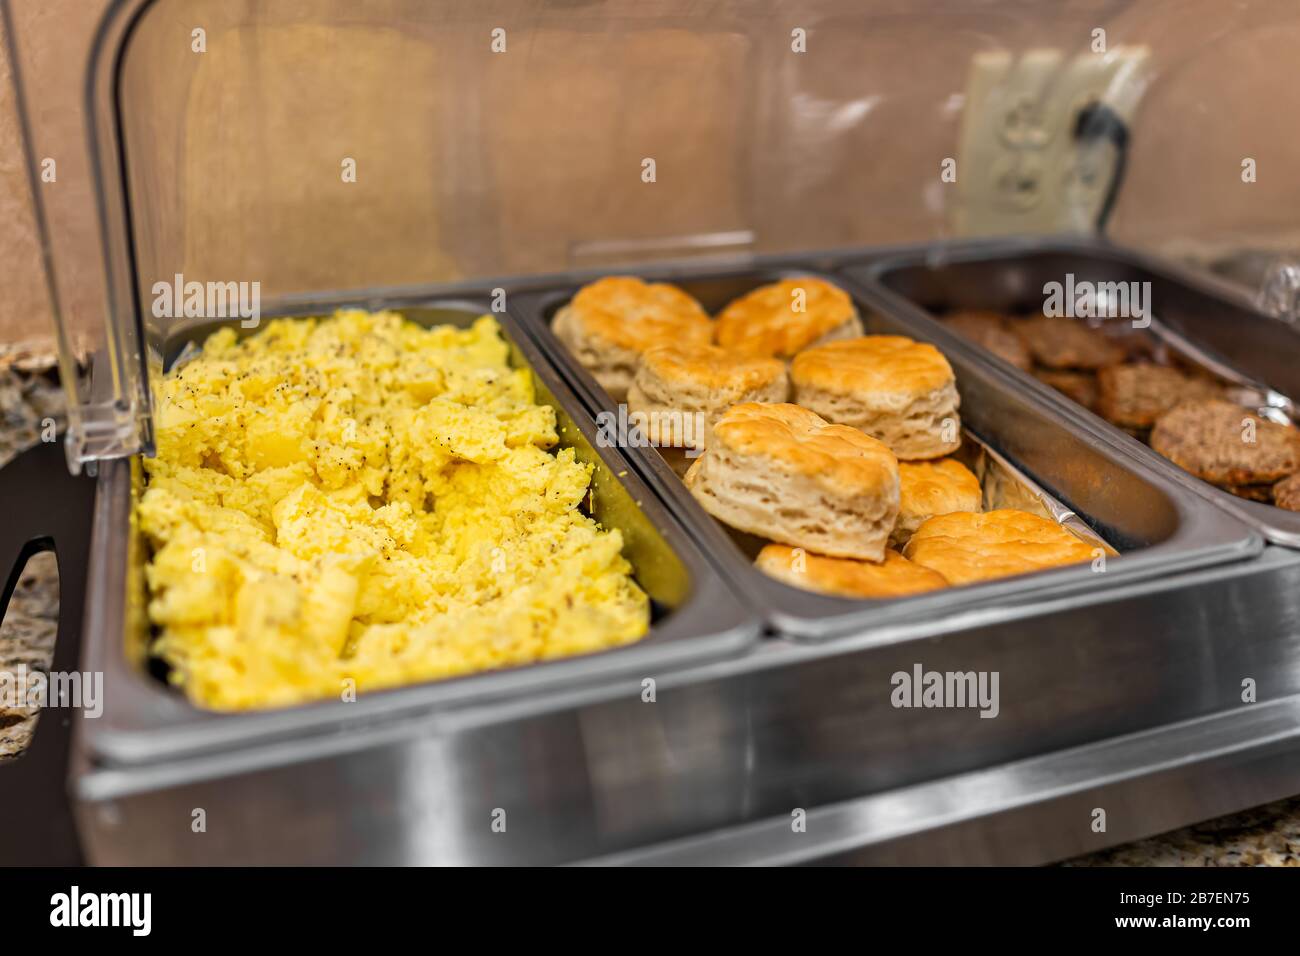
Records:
x=1180, y=774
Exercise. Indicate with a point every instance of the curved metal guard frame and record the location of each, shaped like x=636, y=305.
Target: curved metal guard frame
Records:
x=45, y=509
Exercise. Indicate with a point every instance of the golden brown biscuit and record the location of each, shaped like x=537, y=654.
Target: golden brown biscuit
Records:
x=782, y=472
x=681, y=390
x=611, y=321
x=1067, y=343
x=966, y=547
x=900, y=391
x=1078, y=386
x=929, y=488
x=1226, y=444
x=1286, y=493
x=1134, y=396
x=991, y=331
x=765, y=322
x=845, y=577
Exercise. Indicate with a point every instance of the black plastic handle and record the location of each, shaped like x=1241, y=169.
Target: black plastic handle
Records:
x=44, y=508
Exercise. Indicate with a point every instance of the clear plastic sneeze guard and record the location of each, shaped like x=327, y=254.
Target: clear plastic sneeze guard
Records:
x=234, y=154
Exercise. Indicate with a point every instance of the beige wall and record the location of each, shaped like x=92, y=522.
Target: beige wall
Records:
x=474, y=165
x=22, y=296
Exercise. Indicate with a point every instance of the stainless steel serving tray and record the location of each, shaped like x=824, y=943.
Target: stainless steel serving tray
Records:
x=695, y=615
x=1123, y=491
x=1123, y=697
x=1216, y=318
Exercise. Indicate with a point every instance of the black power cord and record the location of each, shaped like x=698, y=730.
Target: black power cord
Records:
x=1097, y=121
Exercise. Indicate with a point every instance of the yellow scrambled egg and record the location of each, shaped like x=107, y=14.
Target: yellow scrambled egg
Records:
x=349, y=503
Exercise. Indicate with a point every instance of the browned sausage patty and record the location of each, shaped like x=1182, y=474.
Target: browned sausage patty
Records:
x=1067, y=343
x=1134, y=396
x=1226, y=444
x=991, y=331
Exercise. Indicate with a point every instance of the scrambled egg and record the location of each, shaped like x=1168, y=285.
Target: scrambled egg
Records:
x=349, y=503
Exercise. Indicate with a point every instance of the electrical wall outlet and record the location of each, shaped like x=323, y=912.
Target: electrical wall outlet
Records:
x=1021, y=168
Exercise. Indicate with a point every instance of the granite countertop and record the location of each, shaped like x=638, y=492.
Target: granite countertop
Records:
x=28, y=396
x=1264, y=836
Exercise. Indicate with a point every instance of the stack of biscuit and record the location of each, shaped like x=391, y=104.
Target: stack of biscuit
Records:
x=1127, y=380
x=784, y=473
x=680, y=391
x=612, y=322
x=849, y=483
x=899, y=391
x=783, y=318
